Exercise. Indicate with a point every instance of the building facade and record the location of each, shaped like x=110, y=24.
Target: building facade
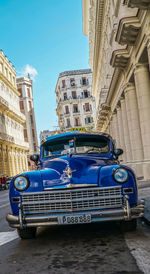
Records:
x=25, y=89
x=119, y=43
x=75, y=103
x=13, y=147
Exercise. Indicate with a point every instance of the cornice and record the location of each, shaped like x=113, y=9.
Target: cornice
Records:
x=98, y=36
x=128, y=30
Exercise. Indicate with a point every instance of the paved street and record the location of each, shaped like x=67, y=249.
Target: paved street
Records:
x=99, y=248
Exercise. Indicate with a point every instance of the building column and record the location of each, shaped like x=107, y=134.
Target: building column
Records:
x=126, y=132
x=142, y=83
x=111, y=127
x=118, y=129
x=13, y=162
x=3, y=164
x=8, y=163
x=121, y=132
x=134, y=128
x=148, y=49
x=115, y=129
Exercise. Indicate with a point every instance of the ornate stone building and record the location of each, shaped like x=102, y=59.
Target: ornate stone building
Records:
x=119, y=44
x=25, y=89
x=75, y=104
x=13, y=148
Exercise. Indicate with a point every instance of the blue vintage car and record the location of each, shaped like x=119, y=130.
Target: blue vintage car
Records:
x=78, y=180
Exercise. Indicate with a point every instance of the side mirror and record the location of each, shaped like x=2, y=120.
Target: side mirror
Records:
x=118, y=152
x=35, y=158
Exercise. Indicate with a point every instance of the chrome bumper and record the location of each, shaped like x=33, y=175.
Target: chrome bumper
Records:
x=124, y=213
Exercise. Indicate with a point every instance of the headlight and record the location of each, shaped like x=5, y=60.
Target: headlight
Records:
x=21, y=183
x=120, y=175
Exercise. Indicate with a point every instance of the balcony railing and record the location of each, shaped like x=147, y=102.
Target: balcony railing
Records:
x=67, y=113
x=6, y=137
x=4, y=103
x=76, y=111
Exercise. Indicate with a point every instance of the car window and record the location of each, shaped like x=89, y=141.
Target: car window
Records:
x=81, y=144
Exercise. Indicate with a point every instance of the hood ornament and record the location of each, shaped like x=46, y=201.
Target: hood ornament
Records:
x=69, y=172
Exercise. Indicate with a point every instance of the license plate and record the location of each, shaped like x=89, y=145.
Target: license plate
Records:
x=74, y=219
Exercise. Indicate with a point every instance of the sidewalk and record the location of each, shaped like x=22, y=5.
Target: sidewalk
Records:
x=144, y=193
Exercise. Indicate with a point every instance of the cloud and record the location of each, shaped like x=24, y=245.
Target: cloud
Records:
x=31, y=70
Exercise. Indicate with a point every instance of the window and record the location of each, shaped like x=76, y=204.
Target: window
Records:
x=88, y=120
x=75, y=108
x=77, y=122
x=10, y=77
x=25, y=133
x=65, y=96
x=31, y=118
x=82, y=144
x=20, y=91
x=30, y=105
x=21, y=105
x=85, y=94
x=6, y=72
x=28, y=91
x=84, y=81
x=74, y=94
x=34, y=147
x=68, y=122
x=33, y=134
x=63, y=83
x=87, y=107
x=72, y=82
x=67, y=109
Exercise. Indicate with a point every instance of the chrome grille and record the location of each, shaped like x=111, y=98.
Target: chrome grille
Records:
x=71, y=200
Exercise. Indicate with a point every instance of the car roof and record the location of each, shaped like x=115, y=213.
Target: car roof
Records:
x=72, y=134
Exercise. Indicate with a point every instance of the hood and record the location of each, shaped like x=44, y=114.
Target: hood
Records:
x=79, y=170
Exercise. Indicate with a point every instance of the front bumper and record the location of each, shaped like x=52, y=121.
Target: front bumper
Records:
x=124, y=213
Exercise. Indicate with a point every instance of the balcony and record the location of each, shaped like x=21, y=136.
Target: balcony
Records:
x=76, y=112
x=128, y=31
x=73, y=85
x=16, y=114
x=119, y=59
x=67, y=114
x=6, y=137
x=3, y=104
x=11, y=110
x=140, y=4
x=21, y=143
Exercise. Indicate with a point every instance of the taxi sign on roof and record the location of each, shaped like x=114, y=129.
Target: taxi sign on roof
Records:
x=83, y=129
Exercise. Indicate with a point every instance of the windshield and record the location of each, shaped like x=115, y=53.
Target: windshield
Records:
x=79, y=145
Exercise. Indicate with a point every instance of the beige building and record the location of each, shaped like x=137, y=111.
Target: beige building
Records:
x=75, y=103
x=25, y=89
x=119, y=45
x=13, y=148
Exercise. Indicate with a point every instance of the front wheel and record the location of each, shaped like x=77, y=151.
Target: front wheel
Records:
x=128, y=225
x=27, y=233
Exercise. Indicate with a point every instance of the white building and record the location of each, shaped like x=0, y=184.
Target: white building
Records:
x=25, y=88
x=75, y=103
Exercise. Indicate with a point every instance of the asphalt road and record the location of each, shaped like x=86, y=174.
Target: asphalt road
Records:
x=92, y=248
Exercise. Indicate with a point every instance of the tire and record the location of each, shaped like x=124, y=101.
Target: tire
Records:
x=128, y=225
x=27, y=233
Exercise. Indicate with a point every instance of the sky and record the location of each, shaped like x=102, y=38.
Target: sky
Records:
x=43, y=37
